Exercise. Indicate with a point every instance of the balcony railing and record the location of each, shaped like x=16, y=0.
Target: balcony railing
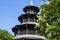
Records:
x=29, y=20
x=22, y=32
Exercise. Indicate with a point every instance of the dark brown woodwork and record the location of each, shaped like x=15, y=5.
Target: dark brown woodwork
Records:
x=28, y=22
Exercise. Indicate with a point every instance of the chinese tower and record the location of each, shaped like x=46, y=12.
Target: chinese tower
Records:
x=26, y=30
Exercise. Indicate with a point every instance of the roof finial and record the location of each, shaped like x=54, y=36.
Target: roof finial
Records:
x=31, y=3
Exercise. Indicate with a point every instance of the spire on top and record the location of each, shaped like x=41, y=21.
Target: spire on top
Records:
x=31, y=3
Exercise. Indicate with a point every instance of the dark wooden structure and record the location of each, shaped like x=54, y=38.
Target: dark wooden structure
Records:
x=26, y=30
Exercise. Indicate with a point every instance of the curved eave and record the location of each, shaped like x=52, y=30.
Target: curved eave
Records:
x=15, y=28
x=29, y=37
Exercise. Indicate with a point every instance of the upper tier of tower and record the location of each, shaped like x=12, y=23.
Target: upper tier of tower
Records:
x=31, y=9
x=31, y=13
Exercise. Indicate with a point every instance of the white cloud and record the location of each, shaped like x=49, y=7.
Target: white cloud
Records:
x=47, y=2
x=41, y=3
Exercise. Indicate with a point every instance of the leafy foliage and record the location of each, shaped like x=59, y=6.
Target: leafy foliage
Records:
x=4, y=35
x=49, y=20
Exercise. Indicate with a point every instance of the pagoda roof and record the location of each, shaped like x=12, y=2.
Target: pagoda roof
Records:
x=27, y=15
x=31, y=8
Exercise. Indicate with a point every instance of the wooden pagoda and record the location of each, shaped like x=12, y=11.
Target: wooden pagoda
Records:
x=26, y=30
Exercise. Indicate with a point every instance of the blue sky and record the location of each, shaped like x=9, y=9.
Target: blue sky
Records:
x=10, y=10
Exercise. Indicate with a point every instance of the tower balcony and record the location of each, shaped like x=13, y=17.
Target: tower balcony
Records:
x=25, y=29
x=28, y=18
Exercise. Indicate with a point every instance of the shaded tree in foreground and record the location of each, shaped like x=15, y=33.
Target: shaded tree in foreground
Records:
x=49, y=20
x=4, y=35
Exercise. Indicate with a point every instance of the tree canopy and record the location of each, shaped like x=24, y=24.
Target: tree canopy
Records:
x=49, y=20
x=5, y=35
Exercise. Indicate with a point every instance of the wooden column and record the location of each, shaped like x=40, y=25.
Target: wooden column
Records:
x=23, y=39
x=26, y=29
x=28, y=18
x=36, y=31
x=18, y=32
x=34, y=19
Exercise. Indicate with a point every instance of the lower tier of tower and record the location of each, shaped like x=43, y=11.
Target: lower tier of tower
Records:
x=25, y=29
